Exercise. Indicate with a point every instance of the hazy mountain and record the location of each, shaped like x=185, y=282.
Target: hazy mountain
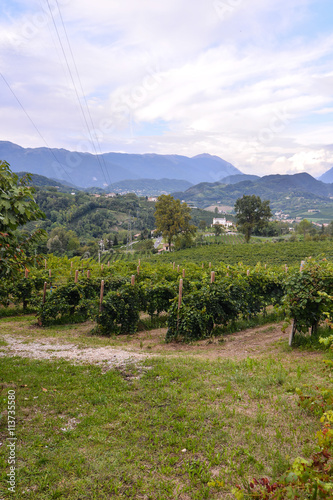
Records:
x=87, y=170
x=327, y=176
x=276, y=188
x=149, y=187
x=42, y=181
x=233, y=179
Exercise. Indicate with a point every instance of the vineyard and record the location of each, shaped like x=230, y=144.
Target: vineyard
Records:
x=205, y=424
x=279, y=253
x=195, y=301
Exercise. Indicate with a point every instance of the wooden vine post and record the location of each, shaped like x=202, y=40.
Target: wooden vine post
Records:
x=294, y=327
x=133, y=279
x=76, y=276
x=212, y=277
x=183, y=273
x=44, y=292
x=101, y=296
x=180, y=296
x=88, y=273
x=50, y=273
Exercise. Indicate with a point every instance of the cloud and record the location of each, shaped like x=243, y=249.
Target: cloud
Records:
x=240, y=79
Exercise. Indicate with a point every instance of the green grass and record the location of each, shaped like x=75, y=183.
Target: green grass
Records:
x=311, y=342
x=170, y=428
x=6, y=312
x=244, y=323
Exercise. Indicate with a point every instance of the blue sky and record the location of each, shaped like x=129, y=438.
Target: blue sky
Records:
x=248, y=80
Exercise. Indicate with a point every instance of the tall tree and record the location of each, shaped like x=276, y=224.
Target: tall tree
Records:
x=218, y=229
x=17, y=207
x=251, y=213
x=304, y=227
x=173, y=218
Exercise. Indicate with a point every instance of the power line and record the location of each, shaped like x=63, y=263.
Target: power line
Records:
x=81, y=87
x=35, y=127
x=75, y=89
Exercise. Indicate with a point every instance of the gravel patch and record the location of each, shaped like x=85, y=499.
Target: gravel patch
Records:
x=109, y=357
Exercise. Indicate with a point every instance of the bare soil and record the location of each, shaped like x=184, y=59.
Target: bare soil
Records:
x=53, y=348
x=253, y=342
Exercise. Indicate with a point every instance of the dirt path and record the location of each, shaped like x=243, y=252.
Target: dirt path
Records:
x=254, y=342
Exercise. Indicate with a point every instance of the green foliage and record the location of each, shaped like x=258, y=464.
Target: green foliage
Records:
x=17, y=204
x=308, y=295
x=158, y=297
x=201, y=310
x=237, y=293
x=305, y=227
x=172, y=218
x=218, y=229
x=270, y=253
x=120, y=311
x=17, y=207
x=68, y=304
x=327, y=342
x=27, y=291
x=91, y=217
x=251, y=213
x=189, y=323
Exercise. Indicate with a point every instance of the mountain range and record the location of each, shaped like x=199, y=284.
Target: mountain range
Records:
x=140, y=187
x=86, y=170
x=286, y=192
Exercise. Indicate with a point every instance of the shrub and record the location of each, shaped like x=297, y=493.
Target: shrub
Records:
x=199, y=311
x=69, y=303
x=120, y=311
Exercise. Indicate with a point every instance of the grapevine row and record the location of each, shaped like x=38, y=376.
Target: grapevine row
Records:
x=239, y=291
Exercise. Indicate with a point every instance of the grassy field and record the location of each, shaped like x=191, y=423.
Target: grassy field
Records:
x=187, y=423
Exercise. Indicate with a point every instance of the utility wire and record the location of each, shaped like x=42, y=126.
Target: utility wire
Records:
x=35, y=127
x=75, y=89
x=82, y=91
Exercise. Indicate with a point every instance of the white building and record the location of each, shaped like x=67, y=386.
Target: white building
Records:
x=222, y=222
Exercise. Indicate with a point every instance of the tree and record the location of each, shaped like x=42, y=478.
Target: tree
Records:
x=304, y=227
x=202, y=225
x=251, y=213
x=17, y=207
x=218, y=229
x=173, y=218
x=61, y=241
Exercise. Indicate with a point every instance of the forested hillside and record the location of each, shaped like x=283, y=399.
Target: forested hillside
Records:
x=82, y=222
x=291, y=193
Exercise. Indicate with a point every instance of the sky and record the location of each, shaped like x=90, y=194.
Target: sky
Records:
x=250, y=81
